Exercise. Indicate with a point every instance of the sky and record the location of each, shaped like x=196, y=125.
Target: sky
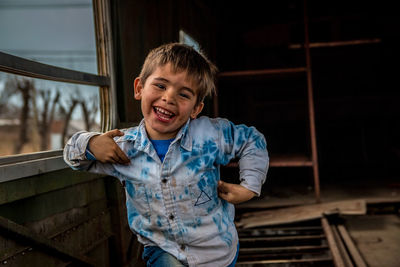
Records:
x=56, y=32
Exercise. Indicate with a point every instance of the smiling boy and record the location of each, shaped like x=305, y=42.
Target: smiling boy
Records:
x=168, y=99
x=176, y=203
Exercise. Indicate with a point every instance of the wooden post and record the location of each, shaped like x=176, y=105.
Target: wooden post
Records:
x=314, y=155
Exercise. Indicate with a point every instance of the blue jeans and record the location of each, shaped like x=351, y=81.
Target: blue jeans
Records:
x=156, y=257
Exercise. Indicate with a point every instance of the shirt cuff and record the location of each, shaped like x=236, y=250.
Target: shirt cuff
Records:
x=89, y=155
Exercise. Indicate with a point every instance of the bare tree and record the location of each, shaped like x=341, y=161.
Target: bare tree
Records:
x=8, y=91
x=45, y=119
x=41, y=119
x=25, y=87
x=66, y=112
x=89, y=113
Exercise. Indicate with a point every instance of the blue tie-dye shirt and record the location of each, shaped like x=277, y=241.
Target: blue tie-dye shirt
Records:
x=174, y=203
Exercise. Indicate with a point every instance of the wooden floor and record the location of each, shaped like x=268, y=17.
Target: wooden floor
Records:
x=376, y=234
x=377, y=238
x=290, y=195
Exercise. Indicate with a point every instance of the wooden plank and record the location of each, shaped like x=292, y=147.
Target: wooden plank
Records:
x=342, y=249
x=337, y=43
x=288, y=248
x=260, y=72
x=23, y=234
x=355, y=254
x=30, y=156
x=311, y=112
x=281, y=238
x=313, y=260
x=300, y=213
x=294, y=160
x=43, y=205
x=13, y=171
x=61, y=231
x=281, y=229
x=337, y=258
x=28, y=187
x=21, y=66
x=290, y=161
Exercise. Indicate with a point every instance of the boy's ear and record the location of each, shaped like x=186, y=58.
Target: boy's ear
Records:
x=138, y=87
x=196, y=110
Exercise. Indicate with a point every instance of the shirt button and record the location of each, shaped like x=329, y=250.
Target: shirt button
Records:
x=164, y=180
x=183, y=247
x=171, y=217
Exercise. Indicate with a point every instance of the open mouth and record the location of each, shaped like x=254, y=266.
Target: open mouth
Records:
x=163, y=115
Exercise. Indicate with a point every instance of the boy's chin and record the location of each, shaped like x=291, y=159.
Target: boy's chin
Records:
x=161, y=133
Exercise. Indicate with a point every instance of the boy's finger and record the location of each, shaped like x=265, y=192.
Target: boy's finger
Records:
x=223, y=186
x=114, y=133
x=222, y=195
x=123, y=158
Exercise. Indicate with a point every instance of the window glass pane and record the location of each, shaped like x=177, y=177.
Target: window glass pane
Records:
x=55, y=32
x=38, y=115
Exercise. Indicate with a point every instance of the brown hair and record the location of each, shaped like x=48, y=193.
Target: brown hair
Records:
x=183, y=57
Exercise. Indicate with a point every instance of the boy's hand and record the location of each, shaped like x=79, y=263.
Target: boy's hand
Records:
x=106, y=150
x=234, y=193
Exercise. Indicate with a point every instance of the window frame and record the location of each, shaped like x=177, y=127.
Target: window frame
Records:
x=25, y=165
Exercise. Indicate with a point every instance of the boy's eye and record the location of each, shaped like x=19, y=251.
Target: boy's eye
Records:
x=185, y=95
x=160, y=86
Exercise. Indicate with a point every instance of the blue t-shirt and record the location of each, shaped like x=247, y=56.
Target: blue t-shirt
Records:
x=161, y=147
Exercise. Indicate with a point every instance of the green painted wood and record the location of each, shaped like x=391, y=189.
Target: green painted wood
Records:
x=25, y=235
x=39, y=184
x=63, y=227
x=43, y=205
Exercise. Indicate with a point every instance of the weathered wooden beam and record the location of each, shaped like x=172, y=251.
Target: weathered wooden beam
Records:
x=288, y=248
x=337, y=43
x=21, y=66
x=337, y=257
x=260, y=72
x=25, y=235
x=311, y=111
x=300, y=213
x=15, y=190
x=62, y=231
x=354, y=252
x=342, y=249
x=312, y=261
x=281, y=238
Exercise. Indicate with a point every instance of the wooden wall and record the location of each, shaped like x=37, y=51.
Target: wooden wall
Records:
x=140, y=26
x=82, y=212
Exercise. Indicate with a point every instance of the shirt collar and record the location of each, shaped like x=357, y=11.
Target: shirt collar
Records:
x=142, y=141
x=186, y=138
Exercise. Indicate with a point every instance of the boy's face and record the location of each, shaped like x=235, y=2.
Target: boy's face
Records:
x=168, y=99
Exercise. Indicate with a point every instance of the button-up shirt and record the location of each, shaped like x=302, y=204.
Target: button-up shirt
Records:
x=174, y=203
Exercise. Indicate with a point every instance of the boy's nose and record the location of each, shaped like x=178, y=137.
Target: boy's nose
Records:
x=169, y=97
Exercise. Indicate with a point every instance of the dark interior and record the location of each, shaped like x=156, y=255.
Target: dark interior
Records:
x=353, y=51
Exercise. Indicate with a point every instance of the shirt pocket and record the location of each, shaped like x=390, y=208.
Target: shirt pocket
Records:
x=204, y=197
x=138, y=197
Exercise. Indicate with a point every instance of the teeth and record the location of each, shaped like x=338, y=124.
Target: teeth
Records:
x=163, y=111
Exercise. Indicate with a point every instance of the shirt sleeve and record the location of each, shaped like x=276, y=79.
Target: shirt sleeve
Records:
x=249, y=145
x=78, y=156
